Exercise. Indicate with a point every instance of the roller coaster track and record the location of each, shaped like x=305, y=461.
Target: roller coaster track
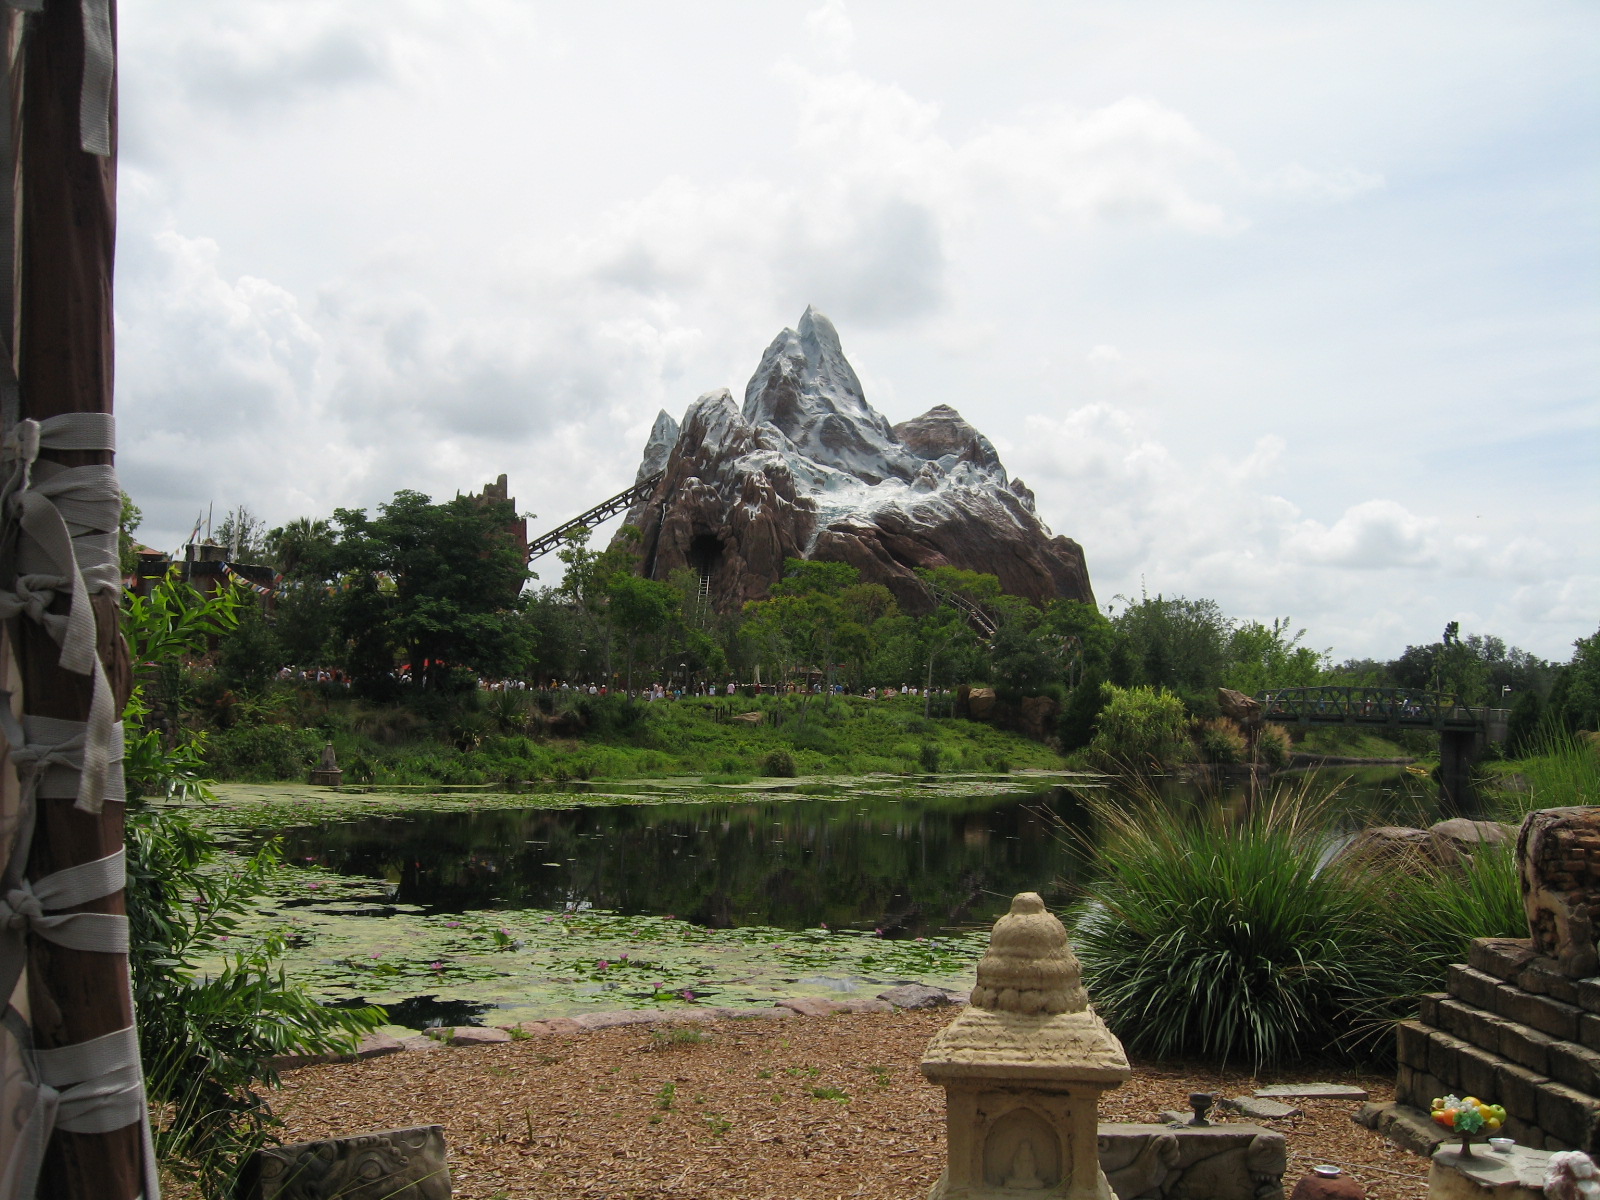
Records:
x=620, y=503
x=977, y=616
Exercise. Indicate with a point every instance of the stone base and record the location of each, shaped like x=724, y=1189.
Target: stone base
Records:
x=1219, y=1162
x=396, y=1164
x=1487, y=1175
x=329, y=778
x=1407, y=1127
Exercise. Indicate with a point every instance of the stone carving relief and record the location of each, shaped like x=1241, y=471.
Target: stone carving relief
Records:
x=397, y=1164
x=1558, y=859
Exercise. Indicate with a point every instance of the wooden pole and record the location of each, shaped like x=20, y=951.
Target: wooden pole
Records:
x=66, y=206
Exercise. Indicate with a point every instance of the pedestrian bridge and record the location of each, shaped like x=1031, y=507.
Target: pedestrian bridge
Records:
x=1411, y=708
x=1464, y=731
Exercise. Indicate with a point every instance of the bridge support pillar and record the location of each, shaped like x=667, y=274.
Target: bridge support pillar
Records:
x=1458, y=750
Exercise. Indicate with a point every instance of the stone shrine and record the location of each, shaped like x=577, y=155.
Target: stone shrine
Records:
x=1023, y=1069
x=1520, y=1021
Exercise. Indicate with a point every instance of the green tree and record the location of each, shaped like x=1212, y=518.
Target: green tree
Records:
x=128, y=519
x=1269, y=656
x=243, y=535
x=643, y=612
x=1578, y=704
x=1174, y=643
x=441, y=581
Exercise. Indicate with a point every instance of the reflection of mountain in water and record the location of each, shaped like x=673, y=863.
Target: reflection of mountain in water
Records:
x=909, y=868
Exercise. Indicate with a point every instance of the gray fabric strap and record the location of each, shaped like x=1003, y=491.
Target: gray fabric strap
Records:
x=99, y=1082
x=99, y=76
x=64, y=521
x=28, y=905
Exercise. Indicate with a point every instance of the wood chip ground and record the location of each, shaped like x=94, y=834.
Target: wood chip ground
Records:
x=811, y=1108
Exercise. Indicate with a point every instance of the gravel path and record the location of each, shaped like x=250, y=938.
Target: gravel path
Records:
x=807, y=1108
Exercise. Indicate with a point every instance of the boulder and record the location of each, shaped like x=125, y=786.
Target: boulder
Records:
x=474, y=1035
x=1386, y=844
x=980, y=703
x=915, y=995
x=1458, y=838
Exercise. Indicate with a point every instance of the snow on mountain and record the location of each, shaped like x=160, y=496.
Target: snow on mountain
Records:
x=808, y=468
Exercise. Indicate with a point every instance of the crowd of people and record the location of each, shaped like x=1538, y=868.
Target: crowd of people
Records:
x=650, y=692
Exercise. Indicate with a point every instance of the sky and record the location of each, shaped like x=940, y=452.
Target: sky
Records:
x=1293, y=307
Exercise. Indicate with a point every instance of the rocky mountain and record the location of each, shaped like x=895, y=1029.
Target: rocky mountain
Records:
x=806, y=468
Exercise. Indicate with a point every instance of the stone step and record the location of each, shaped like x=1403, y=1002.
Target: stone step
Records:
x=1434, y=1062
x=1514, y=961
x=1544, y=1013
x=1562, y=1059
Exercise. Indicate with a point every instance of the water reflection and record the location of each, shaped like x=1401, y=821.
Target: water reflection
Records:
x=907, y=867
x=910, y=867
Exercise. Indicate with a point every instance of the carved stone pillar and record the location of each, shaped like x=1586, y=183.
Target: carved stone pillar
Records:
x=1023, y=1068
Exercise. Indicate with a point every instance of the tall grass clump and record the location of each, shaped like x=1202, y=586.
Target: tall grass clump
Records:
x=1230, y=940
x=1441, y=908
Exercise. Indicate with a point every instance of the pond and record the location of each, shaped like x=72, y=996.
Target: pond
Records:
x=507, y=908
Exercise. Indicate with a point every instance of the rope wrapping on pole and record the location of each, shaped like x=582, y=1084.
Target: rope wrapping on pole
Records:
x=58, y=534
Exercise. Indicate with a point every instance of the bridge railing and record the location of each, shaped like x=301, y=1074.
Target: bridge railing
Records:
x=1367, y=705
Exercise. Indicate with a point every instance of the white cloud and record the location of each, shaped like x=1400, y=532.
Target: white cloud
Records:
x=831, y=30
x=371, y=244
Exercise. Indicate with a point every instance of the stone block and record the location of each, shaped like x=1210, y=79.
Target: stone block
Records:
x=1587, y=994
x=1442, y=1051
x=1569, y=1116
x=1523, y=1133
x=1543, y=976
x=1544, y=1013
x=1576, y=1066
x=551, y=1025
x=396, y=1164
x=474, y=1035
x=811, y=1006
x=1428, y=1010
x=1471, y=986
x=419, y=1043
x=1589, y=1030
x=614, y=1020
x=1526, y=1047
x=916, y=995
x=1411, y=1039
x=1517, y=1088
x=375, y=1045
x=1478, y=1072
x=1503, y=958
x=1403, y=1124
x=1558, y=859
x=1470, y=1024
x=1259, y=1109
x=1227, y=1162
x=1312, y=1091
x=1417, y=1088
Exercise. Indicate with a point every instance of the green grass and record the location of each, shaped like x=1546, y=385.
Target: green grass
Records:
x=830, y=736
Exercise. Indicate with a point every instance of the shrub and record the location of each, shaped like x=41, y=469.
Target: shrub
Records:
x=1140, y=728
x=262, y=753
x=779, y=763
x=930, y=757
x=1221, y=741
x=1230, y=943
x=1273, y=747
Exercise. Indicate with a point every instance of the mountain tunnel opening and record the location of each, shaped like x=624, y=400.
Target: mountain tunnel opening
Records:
x=705, y=553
